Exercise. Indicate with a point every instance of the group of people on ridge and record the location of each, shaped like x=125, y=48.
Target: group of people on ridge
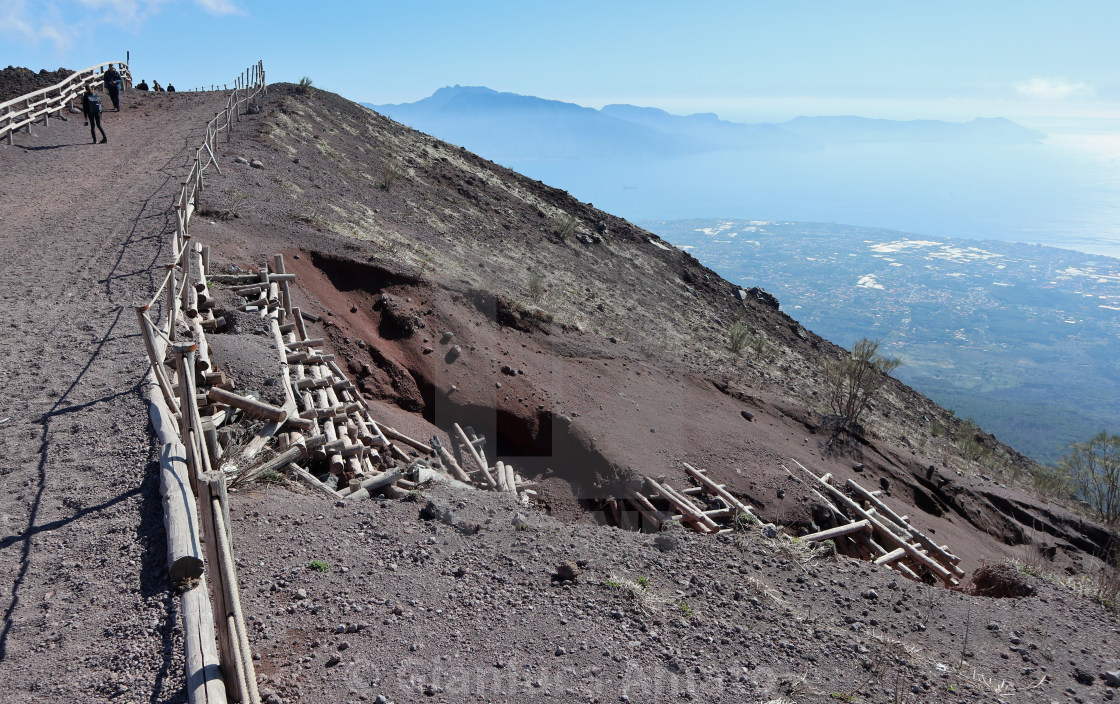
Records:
x=91, y=102
x=143, y=85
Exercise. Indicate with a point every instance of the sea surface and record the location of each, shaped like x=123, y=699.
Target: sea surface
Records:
x=1062, y=192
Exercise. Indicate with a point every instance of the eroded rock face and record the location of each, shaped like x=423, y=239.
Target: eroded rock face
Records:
x=766, y=299
x=16, y=81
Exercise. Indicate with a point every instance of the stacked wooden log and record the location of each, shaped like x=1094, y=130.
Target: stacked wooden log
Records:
x=707, y=507
x=869, y=529
x=200, y=548
x=499, y=477
x=328, y=437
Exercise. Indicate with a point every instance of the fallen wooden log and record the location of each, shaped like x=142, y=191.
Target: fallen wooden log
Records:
x=929, y=563
x=450, y=462
x=925, y=541
x=203, y=667
x=316, y=342
x=838, y=531
x=299, y=423
x=212, y=324
x=373, y=484
x=477, y=457
x=155, y=357
x=717, y=489
x=239, y=633
x=893, y=555
x=651, y=512
x=397, y=435
x=309, y=479
x=253, y=407
x=180, y=521
x=690, y=512
x=285, y=292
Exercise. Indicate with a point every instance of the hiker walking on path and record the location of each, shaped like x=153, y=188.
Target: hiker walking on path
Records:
x=113, y=84
x=91, y=106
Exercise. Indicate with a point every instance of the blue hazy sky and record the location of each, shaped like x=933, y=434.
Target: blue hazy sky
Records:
x=1043, y=63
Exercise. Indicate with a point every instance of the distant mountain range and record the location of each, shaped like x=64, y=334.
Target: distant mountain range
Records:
x=507, y=127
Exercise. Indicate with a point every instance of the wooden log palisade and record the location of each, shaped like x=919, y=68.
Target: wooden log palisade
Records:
x=323, y=422
x=872, y=530
x=707, y=507
x=219, y=664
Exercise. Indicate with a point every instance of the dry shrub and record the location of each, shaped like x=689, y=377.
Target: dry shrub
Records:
x=1001, y=581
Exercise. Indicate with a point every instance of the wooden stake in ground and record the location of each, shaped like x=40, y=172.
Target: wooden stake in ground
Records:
x=470, y=448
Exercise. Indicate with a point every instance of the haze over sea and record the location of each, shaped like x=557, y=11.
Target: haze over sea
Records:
x=1063, y=191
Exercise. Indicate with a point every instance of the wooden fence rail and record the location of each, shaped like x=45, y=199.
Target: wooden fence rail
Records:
x=26, y=110
x=218, y=660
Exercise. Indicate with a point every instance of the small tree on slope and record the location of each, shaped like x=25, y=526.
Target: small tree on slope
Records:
x=854, y=379
x=1094, y=467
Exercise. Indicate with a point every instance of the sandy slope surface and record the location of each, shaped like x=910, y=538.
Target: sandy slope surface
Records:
x=82, y=589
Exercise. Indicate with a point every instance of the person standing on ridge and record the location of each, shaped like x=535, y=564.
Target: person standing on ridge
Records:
x=91, y=106
x=113, y=85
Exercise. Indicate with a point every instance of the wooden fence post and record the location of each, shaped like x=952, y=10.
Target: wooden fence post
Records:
x=171, y=303
x=157, y=364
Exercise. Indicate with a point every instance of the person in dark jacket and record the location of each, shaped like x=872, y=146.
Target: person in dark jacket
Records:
x=170, y=88
x=142, y=85
x=91, y=106
x=113, y=85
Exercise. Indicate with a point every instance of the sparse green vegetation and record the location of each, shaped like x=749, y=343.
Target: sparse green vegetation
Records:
x=566, y=227
x=318, y=566
x=537, y=288
x=1094, y=469
x=643, y=582
x=685, y=609
x=852, y=381
x=270, y=476
x=1051, y=482
x=389, y=175
x=413, y=496
x=305, y=86
x=827, y=548
x=738, y=336
x=969, y=443
x=743, y=522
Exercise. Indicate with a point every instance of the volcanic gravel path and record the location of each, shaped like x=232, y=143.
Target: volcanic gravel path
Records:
x=87, y=613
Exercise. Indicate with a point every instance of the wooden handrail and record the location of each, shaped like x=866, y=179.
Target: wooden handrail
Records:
x=30, y=110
